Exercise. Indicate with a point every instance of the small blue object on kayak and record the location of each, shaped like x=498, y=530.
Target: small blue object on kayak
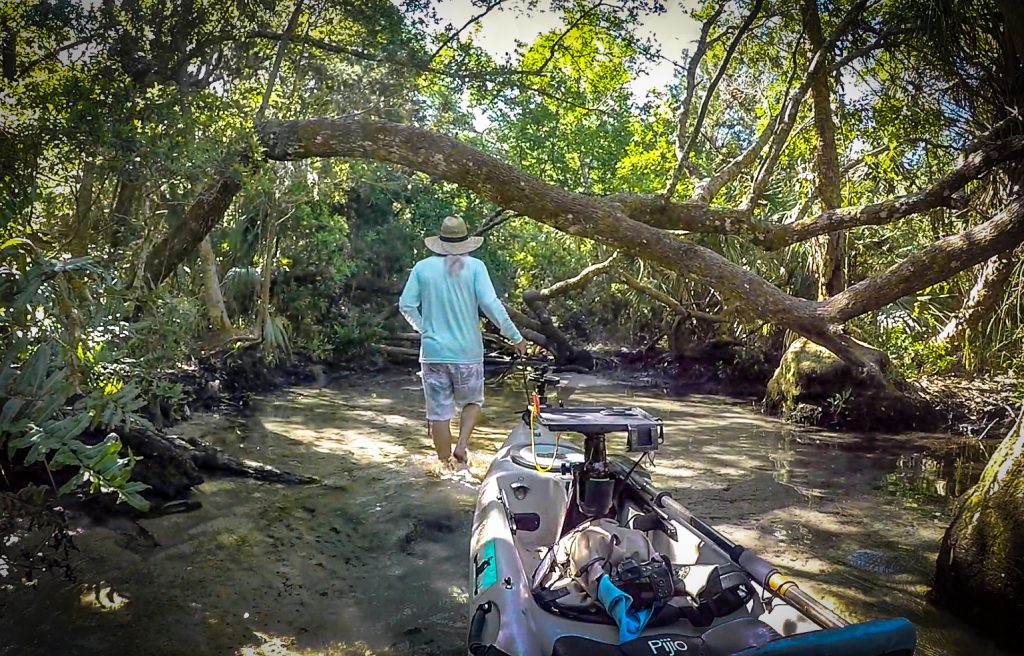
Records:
x=630, y=622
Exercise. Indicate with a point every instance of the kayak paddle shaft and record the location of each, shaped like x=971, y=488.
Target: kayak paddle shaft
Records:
x=759, y=569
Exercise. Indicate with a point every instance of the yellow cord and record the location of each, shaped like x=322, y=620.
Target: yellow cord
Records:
x=533, y=446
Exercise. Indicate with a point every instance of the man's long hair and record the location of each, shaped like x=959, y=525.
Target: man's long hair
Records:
x=454, y=264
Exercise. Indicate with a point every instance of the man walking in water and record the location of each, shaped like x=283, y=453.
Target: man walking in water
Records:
x=442, y=300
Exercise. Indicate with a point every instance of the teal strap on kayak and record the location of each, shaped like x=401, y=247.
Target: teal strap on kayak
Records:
x=630, y=622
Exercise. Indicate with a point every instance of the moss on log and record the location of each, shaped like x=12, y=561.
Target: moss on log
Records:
x=980, y=570
x=813, y=386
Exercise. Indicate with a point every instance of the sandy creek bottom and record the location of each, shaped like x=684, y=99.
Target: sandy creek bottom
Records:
x=373, y=560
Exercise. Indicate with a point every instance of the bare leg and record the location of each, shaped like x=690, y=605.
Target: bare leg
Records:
x=441, y=432
x=467, y=422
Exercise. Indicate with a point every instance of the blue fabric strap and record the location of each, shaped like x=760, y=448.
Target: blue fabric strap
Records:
x=617, y=603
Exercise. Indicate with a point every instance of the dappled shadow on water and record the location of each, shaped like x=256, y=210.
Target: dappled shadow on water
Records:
x=373, y=561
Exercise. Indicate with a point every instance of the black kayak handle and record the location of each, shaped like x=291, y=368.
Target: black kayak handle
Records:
x=476, y=629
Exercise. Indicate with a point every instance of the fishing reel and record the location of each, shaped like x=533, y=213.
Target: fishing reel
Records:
x=540, y=376
x=648, y=583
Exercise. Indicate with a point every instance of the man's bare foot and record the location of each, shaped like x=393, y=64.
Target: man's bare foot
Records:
x=457, y=465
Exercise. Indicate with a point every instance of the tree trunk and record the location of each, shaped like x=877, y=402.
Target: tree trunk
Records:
x=980, y=569
x=8, y=51
x=983, y=299
x=218, y=314
x=81, y=228
x=1013, y=14
x=831, y=249
x=263, y=314
x=149, y=235
x=123, y=212
x=203, y=214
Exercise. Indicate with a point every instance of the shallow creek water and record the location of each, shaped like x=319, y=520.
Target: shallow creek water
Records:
x=373, y=560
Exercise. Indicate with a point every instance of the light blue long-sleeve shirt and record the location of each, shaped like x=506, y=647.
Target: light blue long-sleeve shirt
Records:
x=444, y=308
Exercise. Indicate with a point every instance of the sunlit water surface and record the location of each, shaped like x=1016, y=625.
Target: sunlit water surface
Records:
x=373, y=560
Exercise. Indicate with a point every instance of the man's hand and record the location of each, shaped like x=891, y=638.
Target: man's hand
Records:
x=521, y=347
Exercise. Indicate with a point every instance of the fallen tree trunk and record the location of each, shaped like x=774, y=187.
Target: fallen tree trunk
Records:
x=536, y=301
x=410, y=355
x=210, y=458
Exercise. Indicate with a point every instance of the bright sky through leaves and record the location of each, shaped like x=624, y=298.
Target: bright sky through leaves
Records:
x=673, y=30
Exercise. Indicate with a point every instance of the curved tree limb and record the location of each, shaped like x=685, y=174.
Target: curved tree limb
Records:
x=577, y=281
x=941, y=193
x=607, y=221
x=931, y=265
x=981, y=302
x=574, y=213
x=205, y=212
x=668, y=301
x=705, y=190
x=944, y=192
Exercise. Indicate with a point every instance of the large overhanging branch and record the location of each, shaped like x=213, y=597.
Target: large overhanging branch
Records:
x=577, y=214
x=942, y=193
x=698, y=217
x=609, y=221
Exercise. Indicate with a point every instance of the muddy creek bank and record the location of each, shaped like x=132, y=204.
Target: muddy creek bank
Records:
x=373, y=560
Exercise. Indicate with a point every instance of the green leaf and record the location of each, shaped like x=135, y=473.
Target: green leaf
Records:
x=72, y=483
x=17, y=242
x=33, y=373
x=8, y=413
x=130, y=495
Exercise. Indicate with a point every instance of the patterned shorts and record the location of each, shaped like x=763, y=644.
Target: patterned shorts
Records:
x=446, y=385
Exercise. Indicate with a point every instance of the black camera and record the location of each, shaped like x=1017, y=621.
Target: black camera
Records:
x=647, y=583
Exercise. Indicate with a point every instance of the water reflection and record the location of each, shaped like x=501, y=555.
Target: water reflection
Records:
x=944, y=473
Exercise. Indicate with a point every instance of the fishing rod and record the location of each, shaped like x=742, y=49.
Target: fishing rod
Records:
x=759, y=569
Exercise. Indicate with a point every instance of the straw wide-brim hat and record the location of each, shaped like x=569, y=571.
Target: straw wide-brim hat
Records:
x=453, y=238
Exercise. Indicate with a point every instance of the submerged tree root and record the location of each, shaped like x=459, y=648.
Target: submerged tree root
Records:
x=171, y=465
